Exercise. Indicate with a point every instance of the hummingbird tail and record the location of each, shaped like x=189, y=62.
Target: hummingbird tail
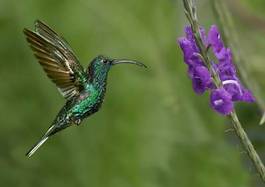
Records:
x=43, y=139
x=36, y=146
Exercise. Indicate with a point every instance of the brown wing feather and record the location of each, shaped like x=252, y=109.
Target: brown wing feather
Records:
x=57, y=60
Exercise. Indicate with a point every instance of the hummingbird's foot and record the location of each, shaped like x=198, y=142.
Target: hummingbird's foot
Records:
x=77, y=122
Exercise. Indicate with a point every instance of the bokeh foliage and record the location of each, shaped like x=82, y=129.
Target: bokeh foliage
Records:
x=152, y=130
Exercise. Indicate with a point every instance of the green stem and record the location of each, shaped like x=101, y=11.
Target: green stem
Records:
x=253, y=155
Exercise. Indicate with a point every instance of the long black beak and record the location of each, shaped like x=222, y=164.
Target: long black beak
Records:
x=125, y=61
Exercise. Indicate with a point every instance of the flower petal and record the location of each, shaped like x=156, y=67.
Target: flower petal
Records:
x=247, y=96
x=190, y=55
x=221, y=101
x=201, y=79
x=214, y=38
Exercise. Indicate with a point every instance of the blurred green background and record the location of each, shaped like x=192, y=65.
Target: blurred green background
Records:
x=152, y=130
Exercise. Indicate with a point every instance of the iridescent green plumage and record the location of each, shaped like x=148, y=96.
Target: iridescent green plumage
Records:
x=84, y=90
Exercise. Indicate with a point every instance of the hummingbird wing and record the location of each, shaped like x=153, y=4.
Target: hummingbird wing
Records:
x=57, y=59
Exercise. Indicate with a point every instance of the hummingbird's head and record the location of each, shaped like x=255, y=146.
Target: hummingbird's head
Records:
x=101, y=65
x=103, y=62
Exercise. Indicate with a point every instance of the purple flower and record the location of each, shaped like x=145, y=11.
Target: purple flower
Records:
x=201, y=79
x=231, y=89
x=226, y=71
x=247, y=96
x=191, y=57
x=186, y=47
x=214, y=39
x=224, y=55
x=225, y=68
x=221, y=101
x=237, y=91
x=190, y=36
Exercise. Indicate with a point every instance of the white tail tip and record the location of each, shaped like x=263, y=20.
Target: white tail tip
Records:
x=36, y=146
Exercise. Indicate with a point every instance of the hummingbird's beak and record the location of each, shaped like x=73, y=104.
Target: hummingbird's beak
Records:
x=124, y=61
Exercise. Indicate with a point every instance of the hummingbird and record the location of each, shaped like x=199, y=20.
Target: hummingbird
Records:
x=83, y=89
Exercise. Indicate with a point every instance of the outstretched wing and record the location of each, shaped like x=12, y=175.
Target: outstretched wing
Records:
x=57, y=59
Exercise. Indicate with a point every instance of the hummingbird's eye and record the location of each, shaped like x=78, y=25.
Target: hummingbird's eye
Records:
x=104, y=61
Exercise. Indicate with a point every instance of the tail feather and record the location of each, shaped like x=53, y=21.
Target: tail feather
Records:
x=40, y=142
x=36, y=146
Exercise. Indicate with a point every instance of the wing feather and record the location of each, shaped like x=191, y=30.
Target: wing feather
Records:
x=57, y=59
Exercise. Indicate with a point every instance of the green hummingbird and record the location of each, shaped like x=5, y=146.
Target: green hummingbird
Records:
x=83, y=89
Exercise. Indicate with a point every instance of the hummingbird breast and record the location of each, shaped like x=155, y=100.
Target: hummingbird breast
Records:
x=87, y=103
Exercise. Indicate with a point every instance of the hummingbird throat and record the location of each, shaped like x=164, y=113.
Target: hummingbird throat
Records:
x=100, y=78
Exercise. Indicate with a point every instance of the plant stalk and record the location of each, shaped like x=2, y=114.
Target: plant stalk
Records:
x=253, y=155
